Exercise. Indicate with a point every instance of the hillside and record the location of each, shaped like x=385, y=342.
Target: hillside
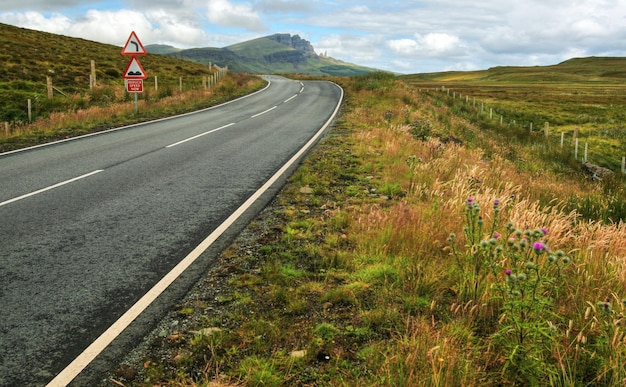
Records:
x=278, y=53
x=577, y=70
x=28, y=57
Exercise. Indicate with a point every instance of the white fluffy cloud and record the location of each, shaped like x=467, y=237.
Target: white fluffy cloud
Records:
x=434, y=44
x=230, y=14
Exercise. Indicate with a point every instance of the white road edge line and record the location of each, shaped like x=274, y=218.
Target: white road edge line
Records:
x=95, y=348
x=268, y=110
x=200, y=135
x=49, y=188
x=290, y=98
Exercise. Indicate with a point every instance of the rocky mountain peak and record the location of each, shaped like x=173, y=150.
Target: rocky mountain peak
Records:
x=294, y=41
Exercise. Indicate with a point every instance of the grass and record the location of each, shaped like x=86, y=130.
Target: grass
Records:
x=359, y=282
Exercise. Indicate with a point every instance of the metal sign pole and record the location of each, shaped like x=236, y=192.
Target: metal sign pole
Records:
x=136, y=103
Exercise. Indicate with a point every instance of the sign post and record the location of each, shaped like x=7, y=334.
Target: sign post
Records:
x=134, y=73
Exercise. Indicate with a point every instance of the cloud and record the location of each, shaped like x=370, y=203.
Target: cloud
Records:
x=55, y=23
x=283, y=6
x=225, y=13
x=434, y=44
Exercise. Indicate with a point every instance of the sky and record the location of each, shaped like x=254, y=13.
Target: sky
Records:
x=410, y=36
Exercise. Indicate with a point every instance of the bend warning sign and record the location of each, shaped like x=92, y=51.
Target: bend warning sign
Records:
x=133, y=46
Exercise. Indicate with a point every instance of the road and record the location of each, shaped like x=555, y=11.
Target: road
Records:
x=88, y=226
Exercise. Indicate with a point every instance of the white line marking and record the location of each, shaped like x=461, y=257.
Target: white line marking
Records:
x=290, y=98
x=94, y=349
x=49, y=188
x=200, y=135
x=268, y=110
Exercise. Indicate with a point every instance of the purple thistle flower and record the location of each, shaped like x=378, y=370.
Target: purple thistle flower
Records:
x=544, y=230
x=470, y=201
x=539, y=247
x=507, y=272
x=496, y=235
x=496, y=203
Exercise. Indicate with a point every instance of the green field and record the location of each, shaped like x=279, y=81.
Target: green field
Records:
x=584, y=98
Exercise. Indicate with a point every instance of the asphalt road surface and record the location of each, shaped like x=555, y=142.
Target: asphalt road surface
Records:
x=88, y=226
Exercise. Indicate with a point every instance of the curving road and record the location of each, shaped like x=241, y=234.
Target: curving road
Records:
x=88, y=226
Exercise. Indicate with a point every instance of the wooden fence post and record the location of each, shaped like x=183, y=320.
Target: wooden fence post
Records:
x=93, y=74
x=30, y=110
x=49, y=86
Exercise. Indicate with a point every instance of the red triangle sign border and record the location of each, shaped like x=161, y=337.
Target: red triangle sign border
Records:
x=142, y=73
x=139, y=49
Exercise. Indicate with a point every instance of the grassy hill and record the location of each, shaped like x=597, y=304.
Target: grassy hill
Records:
x=577, y=70
x=29, y=57
x=270, y=54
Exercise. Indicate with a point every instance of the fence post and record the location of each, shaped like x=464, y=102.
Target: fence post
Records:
x=93, y=74
x=547, y=129
x=623, y=164
x=180, y=83
x=586, y=149
x=49, y=86
x=576, y=149
x=7, y=129
x=156, y=83
x=30, y=110
x=562, y=138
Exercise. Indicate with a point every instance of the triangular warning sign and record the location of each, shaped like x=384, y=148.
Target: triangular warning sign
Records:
x=134, y=70
x=133, y=46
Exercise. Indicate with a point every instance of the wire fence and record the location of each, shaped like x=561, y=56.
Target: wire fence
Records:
x=581, y=150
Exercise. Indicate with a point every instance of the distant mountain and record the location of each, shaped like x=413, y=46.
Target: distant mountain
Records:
x=278, y=53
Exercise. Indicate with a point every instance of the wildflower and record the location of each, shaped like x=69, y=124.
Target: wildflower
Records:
x=539, y=247
x=496, y=235
x=544, y=230
x=507, y=272
x=496, y=203
x=470, y=201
